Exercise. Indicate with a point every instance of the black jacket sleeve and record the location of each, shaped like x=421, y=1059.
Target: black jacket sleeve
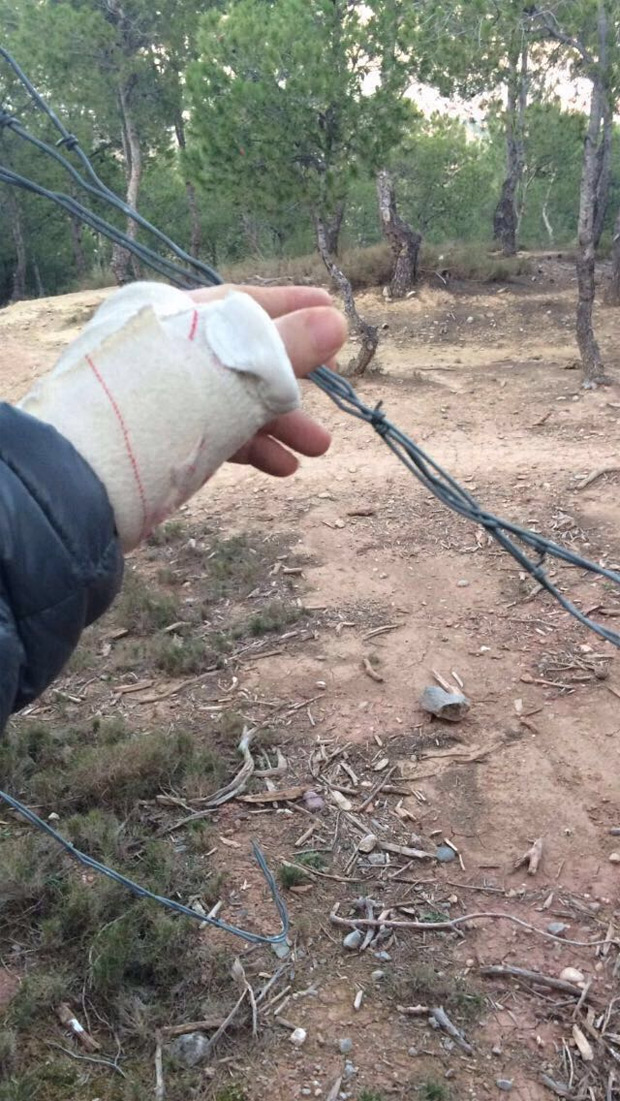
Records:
x=60, y=560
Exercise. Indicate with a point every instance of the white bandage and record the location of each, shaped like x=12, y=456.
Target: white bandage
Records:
x=156, y=393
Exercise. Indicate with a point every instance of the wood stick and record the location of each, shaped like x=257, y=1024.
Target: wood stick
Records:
x=501, y=971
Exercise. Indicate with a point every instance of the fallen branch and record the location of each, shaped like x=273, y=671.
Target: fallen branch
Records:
x=99, y=1060
x=531, y=857
x=225, y=794
x=501, y=971
x=160, y=1087
x=67, y=1017
x=389, y=923
x=370, y=671
x=282, y=796
x=595, y=475
x=441, y=1017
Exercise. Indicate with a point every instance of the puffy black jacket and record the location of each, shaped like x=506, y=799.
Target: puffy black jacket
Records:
x=60, y=561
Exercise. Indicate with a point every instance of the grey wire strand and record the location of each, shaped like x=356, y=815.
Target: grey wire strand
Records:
x=143, y=892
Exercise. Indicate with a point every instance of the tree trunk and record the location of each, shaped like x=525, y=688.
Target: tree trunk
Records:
x=368, y=334
x=124, y=263
x=586, y=261
x=78, y=249
x=612, y=296
x=18, y=289
x=505, y=218
x=404, y=241
x=545, y=212
x=333, y=226
x=192, y=204
x=37, y=279
x=604, y=173
x=593, y=167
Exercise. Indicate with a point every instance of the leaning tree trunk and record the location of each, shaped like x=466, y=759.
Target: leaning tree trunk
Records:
x=404, y=241
x=18, y=289
x=612, y=296
x=604, y=173
x=368, y=334
x=332, y=226
x=124, y=262
x=506, y=217
x=190, y=191
x=586, y=260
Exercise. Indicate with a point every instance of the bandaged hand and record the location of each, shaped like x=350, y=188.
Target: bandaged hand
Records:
x=163, y=386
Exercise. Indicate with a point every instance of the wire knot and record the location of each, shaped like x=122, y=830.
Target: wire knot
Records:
x=378, y=421
x=69, y=142
x=6, y=119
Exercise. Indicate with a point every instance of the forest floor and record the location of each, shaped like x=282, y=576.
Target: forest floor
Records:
x=282, y=590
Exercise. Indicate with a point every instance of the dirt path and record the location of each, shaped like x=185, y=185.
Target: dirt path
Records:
x=481, y=381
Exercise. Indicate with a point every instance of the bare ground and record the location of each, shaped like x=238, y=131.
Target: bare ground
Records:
x=481, y=377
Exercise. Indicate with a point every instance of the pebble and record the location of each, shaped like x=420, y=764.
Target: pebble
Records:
x=357, y=1001
x=281, y=950
x=383, y=956
x=614, y=858
x=377, y=859
x=571, y=974
x=615, y=832
x=376, y=976
x=445, y=854
x=557, y=928
x=349, y=1069
x=504, y=1084
x=313, y=801
x=190, y=1049
x=367, y=843
x=298, y=1036
x=345, y=1046
x=353, y=940
x=445, y=705
x=413, y=1051
x=462, y=584
x=497, y=1050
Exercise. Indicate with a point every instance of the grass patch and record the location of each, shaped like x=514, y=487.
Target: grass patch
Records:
x=432, y=1090
x=180, y=657
x=421, y=983
x=167, y=533
x=142, y=608
x=275, y=616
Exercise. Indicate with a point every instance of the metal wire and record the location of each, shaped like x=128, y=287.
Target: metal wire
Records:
x=511, y=537
x=167, y=903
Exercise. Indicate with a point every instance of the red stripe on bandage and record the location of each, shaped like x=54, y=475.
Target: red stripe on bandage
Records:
x=194, y=326
x=126, y=437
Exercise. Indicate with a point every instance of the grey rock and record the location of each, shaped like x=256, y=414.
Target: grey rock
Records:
x=377, y=859
x=452, y=706
x=376, y=976
x=413, y=1051
x=281, y=950
x=345, y=1046
x=353, y=940
x=349, y=1069
x=505, y=1084
x=445, y=854
x=383, y=956
x=497, y=1050
x=557, y=928
x=190, y=1049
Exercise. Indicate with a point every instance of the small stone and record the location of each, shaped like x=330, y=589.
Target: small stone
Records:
x=321, y=684
x=470, y=320
x=383, y=956
x=594, y=907
x=377, y=859
x=445, y=854
x=53, y=817
x=505, y=1084
x=571, y=974
x=557, y=928
x=353, y=940
x=497, y=1050
x=615, y=832
x=367, y=843
x=338, y=523
x=462, y=584
x=445, y=705
x=298, y=1036
x=281, y=950
x=349, y=1069
x=413, y=1051
x=614, y=858
x=345, y=1046
x=190, y=1049
x=313, y=801
x=377, y=975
